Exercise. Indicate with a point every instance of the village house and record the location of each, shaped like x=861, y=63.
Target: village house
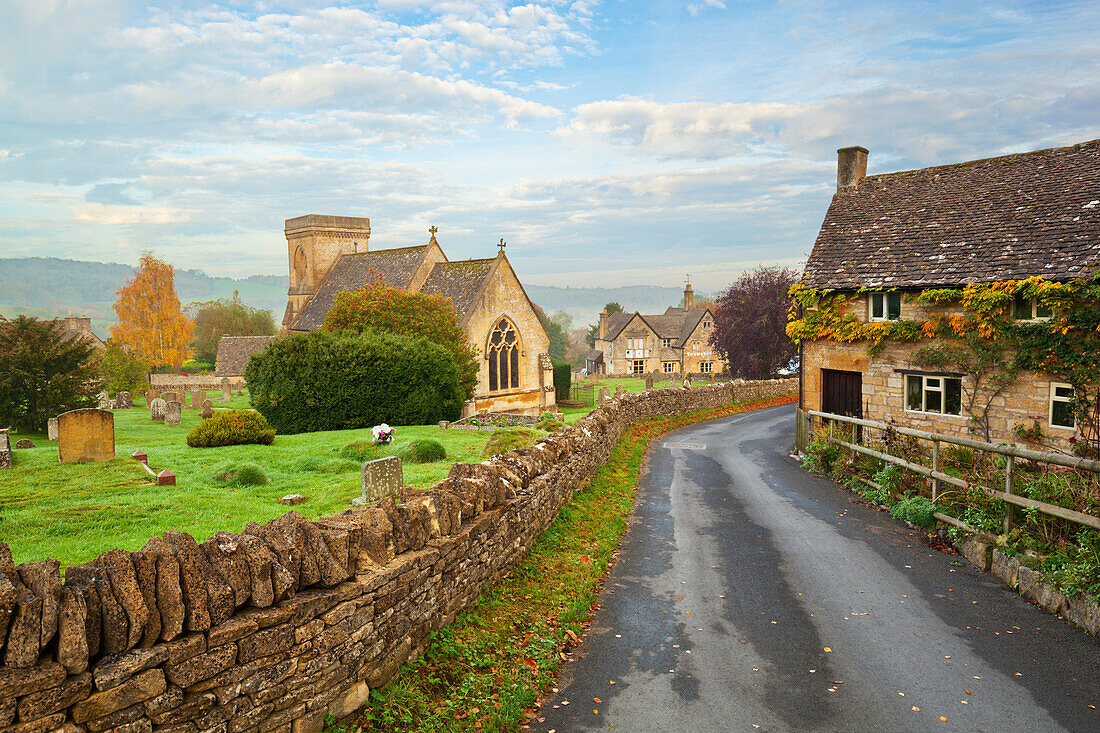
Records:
x=887, y=238
x=80, y=327
x=674, y=342
x=329, y=254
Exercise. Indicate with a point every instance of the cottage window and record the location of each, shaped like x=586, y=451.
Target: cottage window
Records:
x=503, y=357
x=885, y=306
x=636, y=344
x=706, y=324
x=668, y=367
x=941, y=395
x=637, y=366
x=1029, y=309
x=706, y=367
x=666, y=343
x=1061, y=406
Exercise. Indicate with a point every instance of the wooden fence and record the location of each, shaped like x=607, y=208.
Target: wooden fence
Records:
x=805, y=430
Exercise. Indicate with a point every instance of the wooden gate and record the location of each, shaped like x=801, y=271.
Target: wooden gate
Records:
x=842, y=392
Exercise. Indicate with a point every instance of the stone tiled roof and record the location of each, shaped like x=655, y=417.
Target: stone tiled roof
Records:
x=234, y=351
x=616, y=322
x=1004, y=218
x=691, y=320
x=354, y=272
x=460, y=281
x=675, y=323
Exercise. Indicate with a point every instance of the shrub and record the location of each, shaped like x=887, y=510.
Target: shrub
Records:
x=563, y=379
x=122, y=370
x=889, y=478
x=231, y=427
x=423, y=451
x=362, y=451
x=870, y=493
x=549, y=424
x=503, y=441
x=239, y=474
x=820, y=456
x=326, y=380
x=916, y=509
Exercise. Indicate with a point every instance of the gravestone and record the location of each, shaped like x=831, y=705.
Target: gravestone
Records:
x=240, y=393
x=23, y=444
x=156, y=410
x=124, y=401
x=381, y=478
x=227, y=393
x=207, y=410
x=197, y=398
x=5, y=449
x=51, y=428
x=85, y=436
x=649, y=382
x=687, y=382
x=170, y=396
x=104, y=400
x=173, y=413
x=620, y=391
x=605, y=395
x=150, y=395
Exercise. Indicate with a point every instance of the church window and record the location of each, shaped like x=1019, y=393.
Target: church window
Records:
x=503, y=357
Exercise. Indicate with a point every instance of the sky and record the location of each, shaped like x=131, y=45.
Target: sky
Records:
x=609, y=143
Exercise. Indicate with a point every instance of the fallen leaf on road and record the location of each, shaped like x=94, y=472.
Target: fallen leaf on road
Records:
x=943, y=719
x=902, y=694
x=916, y=709
x=968, y=692
x=828, y=649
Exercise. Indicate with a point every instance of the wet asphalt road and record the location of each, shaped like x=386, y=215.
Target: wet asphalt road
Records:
x=740, y=569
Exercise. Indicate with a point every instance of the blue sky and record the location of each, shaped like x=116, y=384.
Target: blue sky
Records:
x=610, y=143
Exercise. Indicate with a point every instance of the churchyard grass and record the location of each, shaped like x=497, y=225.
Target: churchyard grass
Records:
x=75, y=511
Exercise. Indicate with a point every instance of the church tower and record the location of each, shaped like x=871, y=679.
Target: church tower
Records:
x=314, y=243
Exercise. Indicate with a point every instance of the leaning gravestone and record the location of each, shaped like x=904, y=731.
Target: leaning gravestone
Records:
x=173, y=413
x=381, y=478
x=124, y=401
x=227, y=393
x=85, y=436
x=51, y=428
x=197, y=397
x=156, y=410
x=605, y=395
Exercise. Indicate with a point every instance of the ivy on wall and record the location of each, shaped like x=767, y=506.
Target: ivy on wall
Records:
x=984, y=340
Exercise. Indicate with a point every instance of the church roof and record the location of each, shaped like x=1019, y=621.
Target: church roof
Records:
x=460, y=281
x=235, y=351
x=354, y=272
x=1006, y=218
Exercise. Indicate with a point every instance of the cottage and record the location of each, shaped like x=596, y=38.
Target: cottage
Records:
x=329, y=254
x=674, y=342
x=880, y=288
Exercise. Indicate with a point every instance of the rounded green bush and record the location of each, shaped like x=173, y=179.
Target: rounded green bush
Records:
x=503, y=441
x=422, y=451
x=550, y=424
x=231, y=427
x=239, y=474
x=340, y=380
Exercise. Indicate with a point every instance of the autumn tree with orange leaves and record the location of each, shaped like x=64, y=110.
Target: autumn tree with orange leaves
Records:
x=150, y=322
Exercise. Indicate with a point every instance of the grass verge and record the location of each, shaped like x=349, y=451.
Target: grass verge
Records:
x=485, y=670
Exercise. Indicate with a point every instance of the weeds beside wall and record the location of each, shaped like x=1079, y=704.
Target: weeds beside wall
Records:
x=285, y=622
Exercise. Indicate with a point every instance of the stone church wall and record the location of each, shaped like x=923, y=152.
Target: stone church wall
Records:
x=272, y=628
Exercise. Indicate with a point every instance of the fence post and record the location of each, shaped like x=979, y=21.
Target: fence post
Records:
x=1010, y=484
x=935, y=467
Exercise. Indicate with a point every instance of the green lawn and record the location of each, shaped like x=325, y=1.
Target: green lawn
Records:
x=75, y=511
x=630, y=384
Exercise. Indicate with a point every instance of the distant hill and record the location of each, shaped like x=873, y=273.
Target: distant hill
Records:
x=47, y=287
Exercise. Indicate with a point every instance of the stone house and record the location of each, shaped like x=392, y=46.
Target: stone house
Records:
x=888, y=237
x=674, y=342
x=80, y=327
x=234, y=352
x=329, y=254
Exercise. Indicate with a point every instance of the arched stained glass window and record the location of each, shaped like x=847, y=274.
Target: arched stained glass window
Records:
x=503, y=357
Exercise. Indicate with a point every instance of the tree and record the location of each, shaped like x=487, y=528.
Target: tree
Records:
x=150, y=323
x=594, y=328
x=559, y=336
x=121, y=370
x=43, y=373
x=379, y=307
x=750, y=319
x=226, y=317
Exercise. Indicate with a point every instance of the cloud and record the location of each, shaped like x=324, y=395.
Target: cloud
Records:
x=696, y=8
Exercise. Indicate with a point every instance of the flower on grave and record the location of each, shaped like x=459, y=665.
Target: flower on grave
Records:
x=383, y=434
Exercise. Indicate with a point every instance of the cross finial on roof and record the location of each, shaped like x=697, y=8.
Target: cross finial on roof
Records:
x=502, y=245
x=432, y=230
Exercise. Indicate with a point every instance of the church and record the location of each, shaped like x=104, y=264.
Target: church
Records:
x=332, y=253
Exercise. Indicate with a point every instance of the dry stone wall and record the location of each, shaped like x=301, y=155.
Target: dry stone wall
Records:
x=271, y=628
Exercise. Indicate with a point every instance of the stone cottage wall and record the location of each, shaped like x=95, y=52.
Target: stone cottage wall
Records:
x=271, y=628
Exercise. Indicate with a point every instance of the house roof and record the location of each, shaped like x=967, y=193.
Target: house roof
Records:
x=691, y=320
x=234, y=352
x=460, y=281
x=675, y=323
x=1003, y=218
x=616, y=322
x=354, y=272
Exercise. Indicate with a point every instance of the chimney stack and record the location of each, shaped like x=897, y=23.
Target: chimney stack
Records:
x=689, y=297
x=603, y=324
x=851, y=167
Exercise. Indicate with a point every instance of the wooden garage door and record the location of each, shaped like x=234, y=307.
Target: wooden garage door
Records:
x=842, y=392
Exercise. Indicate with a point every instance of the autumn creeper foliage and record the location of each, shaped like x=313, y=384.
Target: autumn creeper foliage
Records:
x=150, y=323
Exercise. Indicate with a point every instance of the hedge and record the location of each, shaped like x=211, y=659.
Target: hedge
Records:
x=563, y=379
x=339, y=380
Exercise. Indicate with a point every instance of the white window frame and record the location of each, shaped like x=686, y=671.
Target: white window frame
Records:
x=1054, y=397
x=668, y=367
x=706, y=367
x=666, y=343
x=1032, y=313
x=941, y=388
x=884, y=297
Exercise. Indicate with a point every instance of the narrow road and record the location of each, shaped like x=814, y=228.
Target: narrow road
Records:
x=750, y=595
